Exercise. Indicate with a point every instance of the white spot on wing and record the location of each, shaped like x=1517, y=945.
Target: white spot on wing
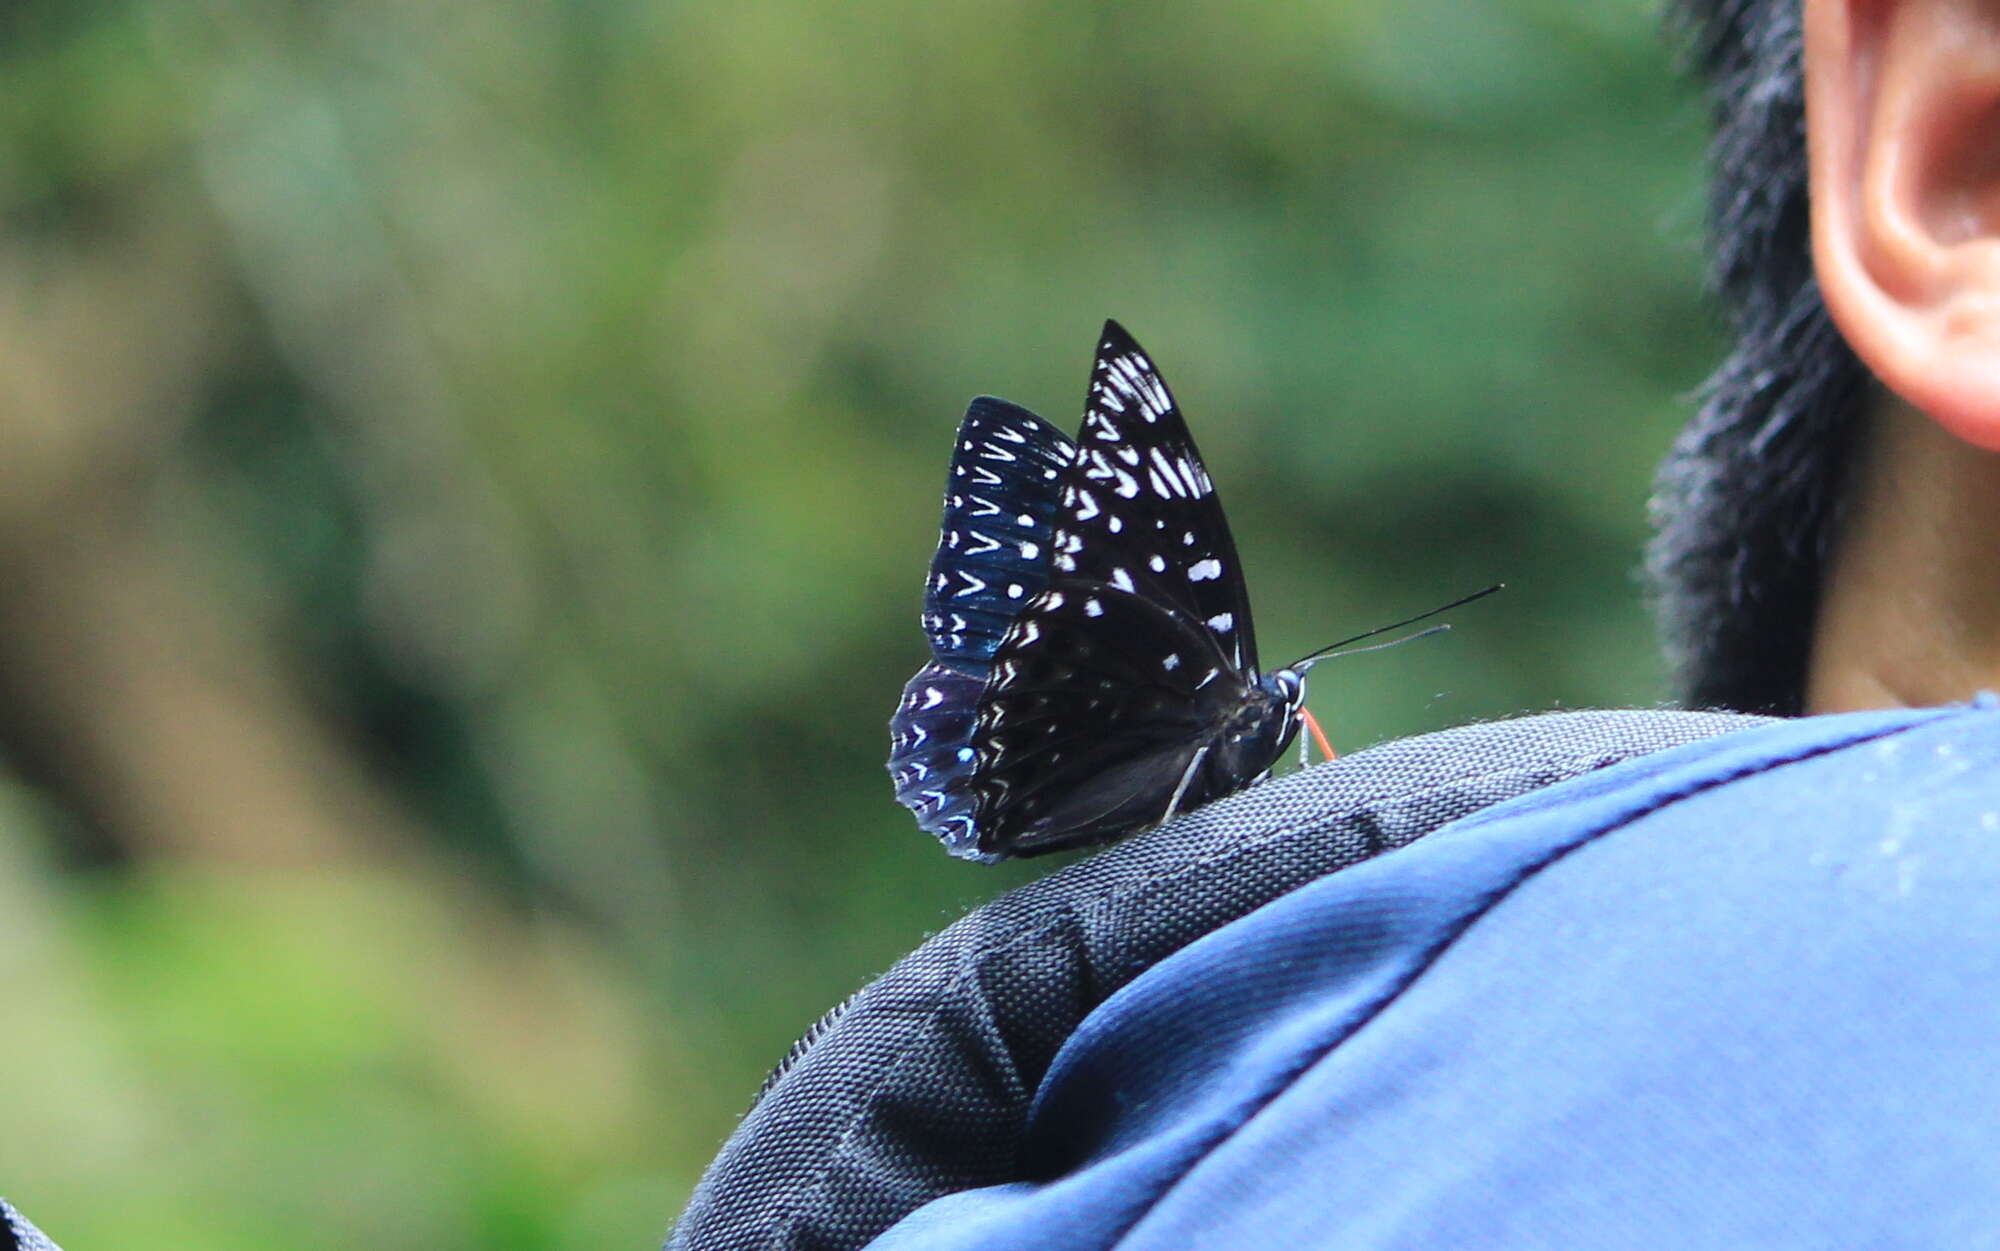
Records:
x=932, y=697
x=1092, y=608
x=1222, y=622
x=1121, y=580
x=1172, y=662
x=1205, y=570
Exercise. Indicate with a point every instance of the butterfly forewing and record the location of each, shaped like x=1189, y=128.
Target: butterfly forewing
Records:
x=1138, y=509
x=1000, y=506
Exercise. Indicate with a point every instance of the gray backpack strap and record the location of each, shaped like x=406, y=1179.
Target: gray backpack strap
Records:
x=919, y=1085
x=16, y=1234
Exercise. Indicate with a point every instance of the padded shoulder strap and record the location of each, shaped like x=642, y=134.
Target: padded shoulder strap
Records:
x=16, y=1234
x=920, y=1084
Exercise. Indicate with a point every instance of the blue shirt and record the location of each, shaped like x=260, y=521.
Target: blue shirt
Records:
x=1744, y=993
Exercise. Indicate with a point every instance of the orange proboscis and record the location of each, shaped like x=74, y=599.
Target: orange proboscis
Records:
x=1319, y=735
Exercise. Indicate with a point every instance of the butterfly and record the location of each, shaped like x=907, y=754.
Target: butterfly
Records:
x=1093, y=664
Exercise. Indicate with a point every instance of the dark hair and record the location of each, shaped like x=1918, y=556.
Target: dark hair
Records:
x=1746, y=503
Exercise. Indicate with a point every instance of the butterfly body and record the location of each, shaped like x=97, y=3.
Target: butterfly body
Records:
x=1094, y=667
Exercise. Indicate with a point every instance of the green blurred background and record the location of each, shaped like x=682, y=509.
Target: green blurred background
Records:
x=467, y=471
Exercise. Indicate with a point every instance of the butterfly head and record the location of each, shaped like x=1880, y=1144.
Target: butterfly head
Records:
x=1287, y=688
x=1263, y=725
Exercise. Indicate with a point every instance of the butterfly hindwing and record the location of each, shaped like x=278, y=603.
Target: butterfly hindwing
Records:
x=1097, y=701
x=930, y=753
x=1139, y=510
x=1000, y=501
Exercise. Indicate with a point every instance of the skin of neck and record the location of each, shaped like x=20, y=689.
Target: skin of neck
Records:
x=1909, y=612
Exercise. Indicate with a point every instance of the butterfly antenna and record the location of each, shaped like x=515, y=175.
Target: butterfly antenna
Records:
x=1323, y=653
x=1306, y=664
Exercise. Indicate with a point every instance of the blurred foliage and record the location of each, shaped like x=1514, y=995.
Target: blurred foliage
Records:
x=466, y=472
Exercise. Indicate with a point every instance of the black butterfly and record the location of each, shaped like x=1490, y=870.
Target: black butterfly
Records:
x=1094, y=668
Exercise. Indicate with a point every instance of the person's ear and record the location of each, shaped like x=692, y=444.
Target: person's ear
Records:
x=1903, y=127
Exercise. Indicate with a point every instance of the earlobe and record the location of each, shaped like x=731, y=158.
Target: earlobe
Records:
x=1903, y=125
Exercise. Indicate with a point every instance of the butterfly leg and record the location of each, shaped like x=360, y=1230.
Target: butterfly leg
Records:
x=1319, y=736
x=1174, y=804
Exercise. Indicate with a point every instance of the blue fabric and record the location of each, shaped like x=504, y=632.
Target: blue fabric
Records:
x=1744, y=993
